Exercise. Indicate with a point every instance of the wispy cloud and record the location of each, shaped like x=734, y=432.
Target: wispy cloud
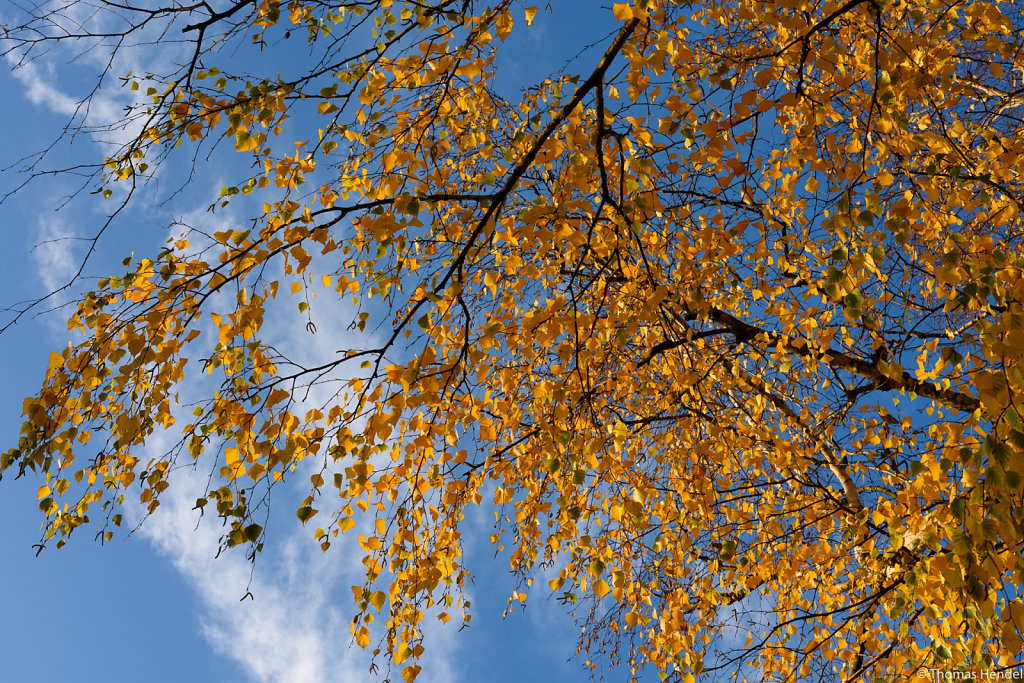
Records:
x=295, y=627
x=39, y=89
x=82, y=79
x=291, y=630
x=54, y=255
x=99, y=114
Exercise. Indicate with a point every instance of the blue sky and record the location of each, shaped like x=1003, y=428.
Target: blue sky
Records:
x=156, y=605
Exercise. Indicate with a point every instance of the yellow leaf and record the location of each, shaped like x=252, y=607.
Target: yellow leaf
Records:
x=686, y=319
x=363, y=637
x=402, y=653
x=275, y=397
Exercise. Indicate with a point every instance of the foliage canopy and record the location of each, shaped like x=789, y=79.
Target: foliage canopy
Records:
x=724, y=320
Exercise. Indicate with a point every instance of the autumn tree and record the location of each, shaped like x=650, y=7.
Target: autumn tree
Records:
x=723, y=321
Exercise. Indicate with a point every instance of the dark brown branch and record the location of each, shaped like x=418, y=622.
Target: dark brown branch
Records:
x=841, y=361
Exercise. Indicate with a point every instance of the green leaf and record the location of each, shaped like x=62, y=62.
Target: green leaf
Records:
x=304, y=513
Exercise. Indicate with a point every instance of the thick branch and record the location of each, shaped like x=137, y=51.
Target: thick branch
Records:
x=215, y=17
x=841, y=361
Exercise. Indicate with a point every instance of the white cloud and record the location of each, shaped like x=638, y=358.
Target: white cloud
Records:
x=54, y=254
x=39, y=89
x=295, y=629
x=290, y=631
x=99, y=114
x=81, y=79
